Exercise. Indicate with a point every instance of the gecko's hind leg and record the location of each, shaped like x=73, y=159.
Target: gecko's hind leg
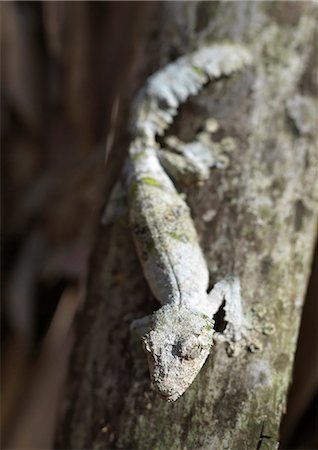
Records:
x=190, y=162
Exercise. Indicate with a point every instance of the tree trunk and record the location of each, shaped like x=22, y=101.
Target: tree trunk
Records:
x=256, y=218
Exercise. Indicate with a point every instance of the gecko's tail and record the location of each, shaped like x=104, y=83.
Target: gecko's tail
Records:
x=157, y=104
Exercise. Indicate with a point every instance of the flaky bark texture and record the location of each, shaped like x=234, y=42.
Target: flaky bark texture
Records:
x=256, y=218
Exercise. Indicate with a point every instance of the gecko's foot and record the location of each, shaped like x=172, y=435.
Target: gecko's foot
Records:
x=177, y=346
x=227, y=293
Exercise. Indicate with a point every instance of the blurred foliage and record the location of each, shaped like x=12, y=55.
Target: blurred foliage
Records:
x=60, y=71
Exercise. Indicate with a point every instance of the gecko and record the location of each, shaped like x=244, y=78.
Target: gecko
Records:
x=177, y=338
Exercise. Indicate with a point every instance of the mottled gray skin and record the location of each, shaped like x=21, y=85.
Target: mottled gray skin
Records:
x=180, y=334
x=177, y=346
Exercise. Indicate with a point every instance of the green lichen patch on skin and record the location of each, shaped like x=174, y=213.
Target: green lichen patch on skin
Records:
x=138, y=155
x=178, y=237
x=150, y=181
x=209, y=327
x=198, y=70
x=133, y=188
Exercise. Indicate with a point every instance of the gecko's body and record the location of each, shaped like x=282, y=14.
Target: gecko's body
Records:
x=165, y=237
x=176, y=271
x=180, y=334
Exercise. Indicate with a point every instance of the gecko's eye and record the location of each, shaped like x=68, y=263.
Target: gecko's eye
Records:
x=190, y=349
x=192, y=352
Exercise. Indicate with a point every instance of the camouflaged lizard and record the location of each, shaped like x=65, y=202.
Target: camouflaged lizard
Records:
x=177, y=338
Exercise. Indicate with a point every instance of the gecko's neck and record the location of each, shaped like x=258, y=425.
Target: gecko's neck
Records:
x=199, y=305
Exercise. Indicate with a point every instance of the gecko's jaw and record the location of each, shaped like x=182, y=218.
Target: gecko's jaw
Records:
x=170, y=397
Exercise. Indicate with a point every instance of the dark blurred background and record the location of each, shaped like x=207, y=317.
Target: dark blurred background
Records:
x=62, y=65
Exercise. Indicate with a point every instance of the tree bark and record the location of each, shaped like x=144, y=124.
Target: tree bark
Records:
x=257, y=218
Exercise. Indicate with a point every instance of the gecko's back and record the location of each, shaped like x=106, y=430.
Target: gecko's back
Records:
x=165, y=236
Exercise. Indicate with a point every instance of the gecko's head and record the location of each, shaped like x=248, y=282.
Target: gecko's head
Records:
x=177, y=346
